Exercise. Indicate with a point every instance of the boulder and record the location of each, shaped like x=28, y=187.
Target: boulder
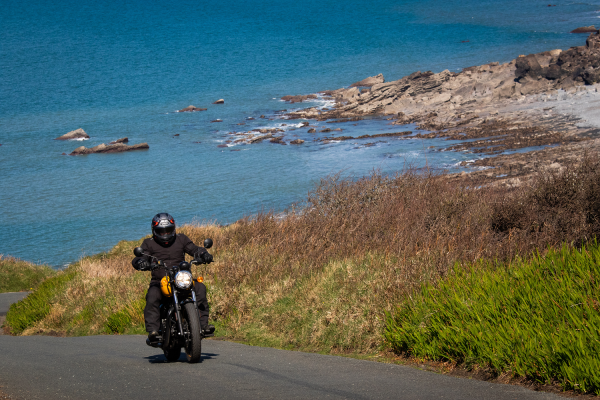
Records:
x=527, y=66
x=77, y=134
x=370, y=81
x=220, y=101
x=111, y=148
x=585, y=29
x=191, y=109
x=122, y=140
x=297, y=141
x=312, y=130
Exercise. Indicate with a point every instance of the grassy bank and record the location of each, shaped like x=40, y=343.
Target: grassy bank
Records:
x=323, y=277
x=17, y=275
x=538, y=318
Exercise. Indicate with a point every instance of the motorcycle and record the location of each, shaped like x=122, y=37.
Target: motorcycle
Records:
x=179, y=318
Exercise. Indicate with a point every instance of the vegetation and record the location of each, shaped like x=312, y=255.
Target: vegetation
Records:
x=323, y=277
x=538, y=318
x=18, y=276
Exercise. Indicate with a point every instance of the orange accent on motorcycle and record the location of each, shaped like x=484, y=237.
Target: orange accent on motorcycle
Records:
x=200, y=279
x=165, y=287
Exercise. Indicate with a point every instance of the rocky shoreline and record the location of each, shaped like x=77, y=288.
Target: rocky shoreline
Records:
x=528, y=114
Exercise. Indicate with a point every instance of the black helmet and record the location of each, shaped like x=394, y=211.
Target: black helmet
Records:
x=163, y=229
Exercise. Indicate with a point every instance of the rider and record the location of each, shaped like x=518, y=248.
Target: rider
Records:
x=168, y=246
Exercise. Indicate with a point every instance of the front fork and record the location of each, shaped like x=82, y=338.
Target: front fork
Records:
x=177, y=310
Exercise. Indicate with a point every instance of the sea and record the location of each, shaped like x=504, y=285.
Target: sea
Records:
x=123, y=68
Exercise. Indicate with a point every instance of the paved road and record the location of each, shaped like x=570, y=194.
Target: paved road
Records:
x=119, y=367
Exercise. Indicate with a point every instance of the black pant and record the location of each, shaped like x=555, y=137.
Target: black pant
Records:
x=155, y=296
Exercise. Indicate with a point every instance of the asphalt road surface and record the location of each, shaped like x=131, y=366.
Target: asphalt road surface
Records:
x=123, y=367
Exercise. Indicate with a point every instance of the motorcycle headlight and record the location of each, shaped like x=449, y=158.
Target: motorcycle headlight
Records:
x=183, y=280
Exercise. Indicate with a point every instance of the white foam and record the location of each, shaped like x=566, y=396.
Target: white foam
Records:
x=79, y=139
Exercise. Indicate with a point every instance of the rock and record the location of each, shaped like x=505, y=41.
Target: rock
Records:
x=555, y=52
x=222, y=146
x=305, y=123
x=278, y=140
x=370, y=81
x=63, y=154
x=528, y=66
x=191, y=109
x=312, y=130
x=242, y=123
x=260, y=138
x=122, y=140
x=220, y=101
x=175, y=135
x=217, y=120
x=111, y=148
x=325, y=130
x=77, y=134
x=299, y=98
x=585, y=29
x=297, y=141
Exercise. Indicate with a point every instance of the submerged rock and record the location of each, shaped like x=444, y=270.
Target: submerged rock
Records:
x=220, y=101
x=111, y=148
x=191, y=109
x=77, y=134
x=122, y=140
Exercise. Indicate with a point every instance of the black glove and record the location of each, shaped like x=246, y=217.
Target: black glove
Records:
x=204, y=258
x=142, y=265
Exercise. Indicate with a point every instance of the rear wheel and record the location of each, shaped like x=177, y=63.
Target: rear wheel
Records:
x=193, y=340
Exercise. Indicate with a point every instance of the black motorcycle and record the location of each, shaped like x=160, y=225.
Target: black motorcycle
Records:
x=179, y=318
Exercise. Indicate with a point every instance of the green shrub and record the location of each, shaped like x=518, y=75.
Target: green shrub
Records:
x=538, y=318
x=37, y=305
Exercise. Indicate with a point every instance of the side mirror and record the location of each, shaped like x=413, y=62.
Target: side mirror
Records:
x=208, y=243
x=138, y=251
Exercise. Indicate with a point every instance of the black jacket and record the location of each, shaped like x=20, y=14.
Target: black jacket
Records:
x=171, y=256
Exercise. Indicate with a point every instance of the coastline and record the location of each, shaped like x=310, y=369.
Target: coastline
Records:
x=533, y=113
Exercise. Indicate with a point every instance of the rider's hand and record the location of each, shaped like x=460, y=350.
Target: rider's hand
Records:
x=142, y=265
x=207, y=257
x=203, y=258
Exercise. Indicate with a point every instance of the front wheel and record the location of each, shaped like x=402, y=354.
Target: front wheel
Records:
x=172, y=354
x=191, y=327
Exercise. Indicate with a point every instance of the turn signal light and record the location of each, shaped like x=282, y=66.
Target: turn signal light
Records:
x=200, y=279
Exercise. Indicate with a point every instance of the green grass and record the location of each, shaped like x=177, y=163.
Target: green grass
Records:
x=37, y=305
x=537, y=318
x=18, y=276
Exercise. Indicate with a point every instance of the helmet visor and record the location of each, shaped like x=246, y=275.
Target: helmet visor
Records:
x=164, y=230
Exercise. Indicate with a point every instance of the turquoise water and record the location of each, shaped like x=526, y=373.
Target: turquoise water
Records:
x=121, y=69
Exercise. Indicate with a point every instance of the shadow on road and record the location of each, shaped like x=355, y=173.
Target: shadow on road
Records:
x=160, y=358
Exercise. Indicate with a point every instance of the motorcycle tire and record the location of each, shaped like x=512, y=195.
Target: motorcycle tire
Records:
x=193, y=348
x=172, y=354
